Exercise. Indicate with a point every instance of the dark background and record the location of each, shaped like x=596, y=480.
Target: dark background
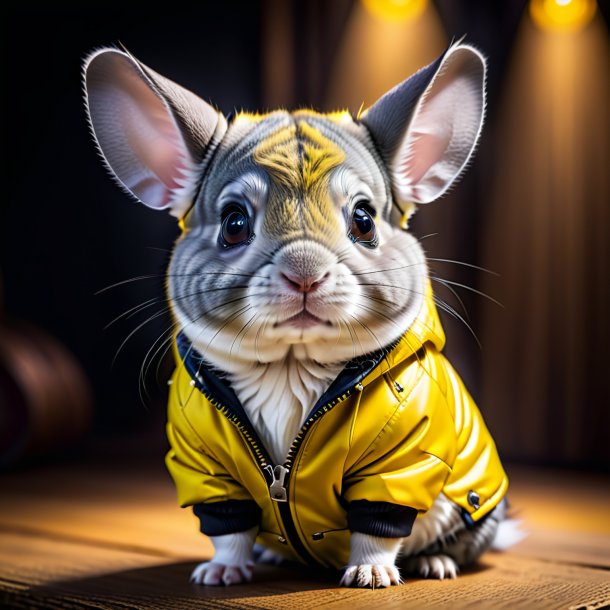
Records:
x=67, y=232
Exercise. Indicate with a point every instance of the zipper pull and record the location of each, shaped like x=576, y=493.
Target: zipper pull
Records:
x=276, y=488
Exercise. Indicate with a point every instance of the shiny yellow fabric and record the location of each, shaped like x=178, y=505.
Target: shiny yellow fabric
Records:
x=380, y=444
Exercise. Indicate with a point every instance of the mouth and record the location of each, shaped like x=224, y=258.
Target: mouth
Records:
x=303, y=319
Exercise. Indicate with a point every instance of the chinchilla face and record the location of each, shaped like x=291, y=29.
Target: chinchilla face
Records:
x=292, y=243
x=294, y=223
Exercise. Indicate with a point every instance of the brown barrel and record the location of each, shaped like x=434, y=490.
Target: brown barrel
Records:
x=45, y=399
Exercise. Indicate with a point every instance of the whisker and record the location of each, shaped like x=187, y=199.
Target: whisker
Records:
x=377, y=299
x=168, y=346
x=201, y=331
x=243, y=330
x=232, y=273
x=444, y=282
x=454, y=262
x=451, y=311
x=128, y=281
x=260, y=330
x=164, y=311
x=439, y=302
x=349, y=328
x=427, y=236
x=457, y=296
x=367, y=329
x=136, y=309
x=135, y=330
x=164, y=338
x=378, y=313
x=244, y=309
x=391, y=268
x=166, y=275
x=150, y=302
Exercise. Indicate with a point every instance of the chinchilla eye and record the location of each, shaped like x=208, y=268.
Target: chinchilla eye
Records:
x=363, y=228
x=235, y=227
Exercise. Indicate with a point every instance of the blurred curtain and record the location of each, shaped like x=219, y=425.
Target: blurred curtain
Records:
x=545, y=365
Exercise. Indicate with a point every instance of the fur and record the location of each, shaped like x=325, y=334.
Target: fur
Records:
x=294, y=384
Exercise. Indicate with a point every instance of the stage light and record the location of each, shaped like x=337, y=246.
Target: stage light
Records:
x=395, y=10
x=562, y=15
x=384, y=41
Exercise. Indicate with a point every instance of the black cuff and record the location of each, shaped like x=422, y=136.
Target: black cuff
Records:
x=228, y=517
x=382, y=519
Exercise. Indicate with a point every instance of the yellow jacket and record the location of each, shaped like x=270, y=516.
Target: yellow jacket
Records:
x=392, y=432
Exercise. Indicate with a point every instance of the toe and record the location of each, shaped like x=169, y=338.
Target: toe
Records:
x=247, y=571
x=347, y=580
x=451, y=568
x=364, y=576
x=379, y=577
x=213, y=574
x=393, y=575
x=231, y=575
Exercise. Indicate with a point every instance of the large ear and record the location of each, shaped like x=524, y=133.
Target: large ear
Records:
x=427, y=127
x=154, y=136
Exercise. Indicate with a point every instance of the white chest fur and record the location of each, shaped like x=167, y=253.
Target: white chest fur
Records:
x=278, y=396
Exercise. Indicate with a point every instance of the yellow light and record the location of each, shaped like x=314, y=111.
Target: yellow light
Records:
x=562, y=15
x=377, y=53
x=395, y=10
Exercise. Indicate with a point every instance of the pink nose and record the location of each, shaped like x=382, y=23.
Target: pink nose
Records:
x=304, y=283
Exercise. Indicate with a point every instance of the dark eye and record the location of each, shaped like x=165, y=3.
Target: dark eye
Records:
x=363, y=226
x=235, y=227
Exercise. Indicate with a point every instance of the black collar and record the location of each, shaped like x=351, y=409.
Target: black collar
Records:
x=214, y=383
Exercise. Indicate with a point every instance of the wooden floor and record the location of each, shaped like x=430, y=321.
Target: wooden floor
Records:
x=107, y=534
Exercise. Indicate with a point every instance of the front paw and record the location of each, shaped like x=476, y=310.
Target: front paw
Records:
x=212, y=573
x=370, y=575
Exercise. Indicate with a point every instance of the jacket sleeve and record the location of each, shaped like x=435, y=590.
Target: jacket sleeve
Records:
x=406, y=465
x=221, y=503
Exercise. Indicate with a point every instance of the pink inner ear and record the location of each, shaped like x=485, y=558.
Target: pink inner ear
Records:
x=154, y=137
x=136, y=130
x=425, y=150
x=443, y=130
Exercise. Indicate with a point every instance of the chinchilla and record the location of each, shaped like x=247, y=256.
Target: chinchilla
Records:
x=311, y=409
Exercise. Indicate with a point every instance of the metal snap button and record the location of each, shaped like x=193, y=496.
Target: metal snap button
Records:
x=474, y=499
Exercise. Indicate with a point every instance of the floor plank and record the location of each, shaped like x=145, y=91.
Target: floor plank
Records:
x=107, y=535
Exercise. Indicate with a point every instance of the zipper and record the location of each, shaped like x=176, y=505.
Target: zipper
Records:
x=278, y=477
x=277, y=488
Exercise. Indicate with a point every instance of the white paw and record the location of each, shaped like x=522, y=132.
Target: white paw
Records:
x=211, y=573
x=432, y=566
x=370, y=575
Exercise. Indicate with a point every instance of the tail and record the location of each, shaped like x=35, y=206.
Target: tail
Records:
x=509, y=530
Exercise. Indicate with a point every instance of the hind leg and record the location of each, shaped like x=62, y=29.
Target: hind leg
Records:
x=441, y=544
x=470, y=543
x=438, y=566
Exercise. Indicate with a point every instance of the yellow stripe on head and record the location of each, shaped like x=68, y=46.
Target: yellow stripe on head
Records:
x=299, y=159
